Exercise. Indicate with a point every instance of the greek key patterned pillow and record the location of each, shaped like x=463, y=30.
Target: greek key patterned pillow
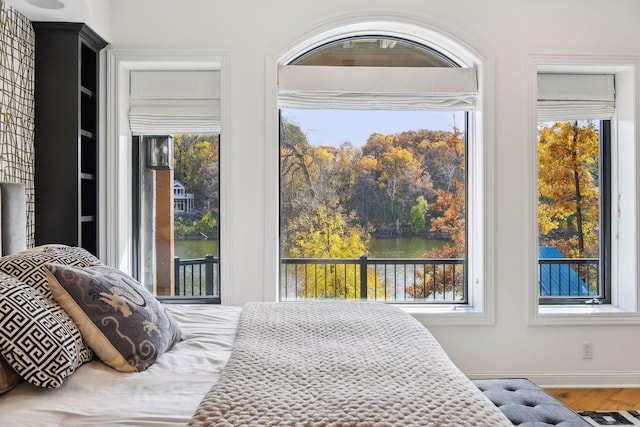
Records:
x=69, y=255
x=27, y=266
x=123, y=323
x=37, y=338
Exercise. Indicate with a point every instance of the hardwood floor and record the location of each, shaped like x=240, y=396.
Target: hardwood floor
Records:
x=598, y=399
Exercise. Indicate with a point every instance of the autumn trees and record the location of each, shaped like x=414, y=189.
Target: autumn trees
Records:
x=328, y=232
x=569, y=187
x=196, y=165
x=394, y=185
x=334, y=198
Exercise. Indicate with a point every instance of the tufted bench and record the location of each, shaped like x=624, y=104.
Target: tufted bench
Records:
x=527, y=405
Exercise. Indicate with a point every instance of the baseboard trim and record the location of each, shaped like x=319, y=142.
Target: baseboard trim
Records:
x=571, y=380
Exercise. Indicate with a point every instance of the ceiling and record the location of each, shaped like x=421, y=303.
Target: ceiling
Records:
x=95, y=13
x=51, y=10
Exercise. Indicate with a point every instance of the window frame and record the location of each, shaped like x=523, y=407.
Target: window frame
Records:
x=305, y=59
x=465, y=302
x=137, y=169
x=604, y=166
x=624, y=306
x=116, y=203
x=480, y=198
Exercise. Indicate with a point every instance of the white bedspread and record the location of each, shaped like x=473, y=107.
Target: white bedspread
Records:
x=166, y=394
x=340, y=365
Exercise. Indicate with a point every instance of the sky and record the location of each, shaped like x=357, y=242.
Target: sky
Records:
x=333, y=127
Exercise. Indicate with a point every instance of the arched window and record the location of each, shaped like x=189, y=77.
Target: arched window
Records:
x=375, y=174
x=376, y=73
x=374, y=51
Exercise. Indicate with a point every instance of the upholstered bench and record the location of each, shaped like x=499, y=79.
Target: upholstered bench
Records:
x=527, y=405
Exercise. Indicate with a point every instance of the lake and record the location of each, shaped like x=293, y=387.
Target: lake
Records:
x=403, y=247
x=385, y=247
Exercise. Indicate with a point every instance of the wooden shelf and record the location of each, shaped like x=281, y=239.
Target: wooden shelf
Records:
x=66, y=138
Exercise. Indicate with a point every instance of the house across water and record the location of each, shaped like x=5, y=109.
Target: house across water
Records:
x=182, y=201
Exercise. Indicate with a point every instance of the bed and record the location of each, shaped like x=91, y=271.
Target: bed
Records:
x=275, y=364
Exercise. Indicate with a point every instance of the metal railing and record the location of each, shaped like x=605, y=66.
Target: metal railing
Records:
x=197, y=277
x=569, y=277
x=410, y=280
x=414, y=280
x=419, y=280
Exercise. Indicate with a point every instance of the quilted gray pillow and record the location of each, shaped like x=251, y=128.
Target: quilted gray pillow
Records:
x=37, y=338
x=123, y=323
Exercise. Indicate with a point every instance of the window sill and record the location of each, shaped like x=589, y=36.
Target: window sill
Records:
x=605, y=314
x=447, y=314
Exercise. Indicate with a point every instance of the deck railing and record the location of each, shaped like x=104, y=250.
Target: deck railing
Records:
x=569, y=277
x=197, y=277
x=410, y=280
x=422, y=280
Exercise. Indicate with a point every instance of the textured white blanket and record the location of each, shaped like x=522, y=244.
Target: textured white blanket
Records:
x=340, y=364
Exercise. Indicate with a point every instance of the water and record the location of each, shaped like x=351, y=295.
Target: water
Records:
x=403, y=247
x=387, y=247
x=189, y=249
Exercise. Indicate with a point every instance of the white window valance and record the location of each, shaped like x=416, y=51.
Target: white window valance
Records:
x=377, y=88
x=176, y=101
x=575, y=96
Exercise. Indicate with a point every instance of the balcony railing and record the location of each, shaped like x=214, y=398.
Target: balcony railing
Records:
x=421, y=280
x=197, y=277
x=412, y=280
x=571, y=278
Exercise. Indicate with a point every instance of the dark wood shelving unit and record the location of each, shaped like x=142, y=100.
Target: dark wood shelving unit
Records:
x=67, y=59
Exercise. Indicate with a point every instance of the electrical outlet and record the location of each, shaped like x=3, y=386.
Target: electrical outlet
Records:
x=587, y=350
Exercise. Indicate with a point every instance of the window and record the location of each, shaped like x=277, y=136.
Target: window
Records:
x=574, y=211
x=176, y=205
x=344, y=196
x=574, y=152
x=587, y=254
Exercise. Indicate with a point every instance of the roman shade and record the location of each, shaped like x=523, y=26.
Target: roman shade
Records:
x=575, y=97
x=377, y=88
x=175, y=101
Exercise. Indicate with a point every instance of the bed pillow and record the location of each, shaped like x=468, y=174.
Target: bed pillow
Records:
x=124, y=324
x=9, y=378
x=27, y=266
x=68, y=255
x=37, y=337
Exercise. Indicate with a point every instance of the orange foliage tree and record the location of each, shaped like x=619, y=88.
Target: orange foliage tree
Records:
x=438, y=279
x=568, y=187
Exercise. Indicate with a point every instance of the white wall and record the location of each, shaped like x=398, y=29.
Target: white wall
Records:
x=504, y=31
x=95, y=13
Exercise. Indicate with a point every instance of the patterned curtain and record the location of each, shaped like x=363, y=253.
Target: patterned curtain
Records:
x=17, y=51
